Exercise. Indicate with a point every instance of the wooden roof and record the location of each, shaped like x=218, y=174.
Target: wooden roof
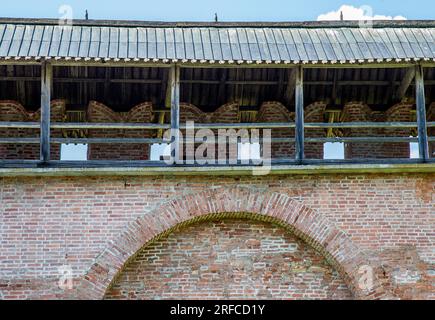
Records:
x=220, y=43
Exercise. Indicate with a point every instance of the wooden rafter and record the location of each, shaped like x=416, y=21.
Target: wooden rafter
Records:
x=291, y=85
x=405, y=83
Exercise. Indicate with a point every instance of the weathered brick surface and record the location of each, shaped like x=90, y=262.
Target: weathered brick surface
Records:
x=96, y=224
x=98, y=112
x=315, y=112
x=229, y=259
x=273, y=111
x=227, y=113
x=189, y=112
x=359, y=112
x=13, y=111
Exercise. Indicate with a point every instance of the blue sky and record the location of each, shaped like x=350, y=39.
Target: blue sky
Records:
x=203, y=10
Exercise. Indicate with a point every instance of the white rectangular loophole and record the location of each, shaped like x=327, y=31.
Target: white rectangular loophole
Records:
x=248, y=151
x=160, y=150
x=73, y=152
x=333, y=150
x=413, y=150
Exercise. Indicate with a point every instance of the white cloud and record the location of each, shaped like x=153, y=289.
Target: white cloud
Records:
x=353, y=13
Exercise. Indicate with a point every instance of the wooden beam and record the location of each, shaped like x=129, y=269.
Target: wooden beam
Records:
x=258, y=125
x=222, y=86
x=280, y=88
x=423, y=145
x=299, y=108
x=371, y=140
x=141, y=64
x=46, y=76
x=168, y=97
x=106, y=81
x=278, y=82
x=174, y=84
x=405, y=83
x=334, y=89
x=362, y=65
x=390, y=90
x=291, y=84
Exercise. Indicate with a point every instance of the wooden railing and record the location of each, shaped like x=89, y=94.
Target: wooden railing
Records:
x=237, y=126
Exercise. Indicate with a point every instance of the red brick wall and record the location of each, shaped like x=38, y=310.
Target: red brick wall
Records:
x=273, y=111
x=229, y=259
x=401, y=112
x=227, y=113
x=189, y=112
x=314, y=113
x=13, y=111
x=98, y=112
x=49, y=222
x=359, y=112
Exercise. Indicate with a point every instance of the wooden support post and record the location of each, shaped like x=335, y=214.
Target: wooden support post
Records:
x=299, y=108
x=174, y=83
x=405, y=83
x=423, y=146
x=46, y=76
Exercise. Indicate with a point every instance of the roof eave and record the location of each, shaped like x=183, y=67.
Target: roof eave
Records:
x=239, y=24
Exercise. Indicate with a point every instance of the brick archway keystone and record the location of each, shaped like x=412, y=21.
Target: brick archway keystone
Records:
x=280, y=209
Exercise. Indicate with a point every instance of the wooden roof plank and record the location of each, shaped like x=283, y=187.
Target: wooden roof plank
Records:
x=235, y=45
x=85, y=42
x=160, y=41
x=197, y=44
x=215, y=44
x=188, y=42
x=273, y=48
x=17, y=41
x=132, y=43
x=55, y=41
x=27, y=41
x=180, y=44
x=206, y=44
x=225, y=45
x=263, y=45
x=424, y=45
x=253, y=45
x=94, y=45
x=103, y=51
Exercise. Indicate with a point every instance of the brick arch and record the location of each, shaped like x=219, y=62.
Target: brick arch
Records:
x=227, y=113
x=99, y=112
x=13, y=111
x=314, y=113
x=399, y=112
x=190, y=112
x=312, y=227
x=273, y=111
x=356, y=111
